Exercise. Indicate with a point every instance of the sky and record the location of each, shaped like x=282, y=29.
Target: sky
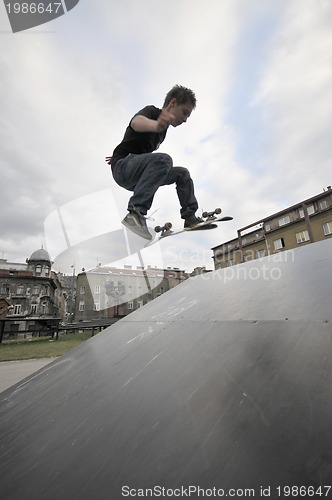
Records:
x=258, y=141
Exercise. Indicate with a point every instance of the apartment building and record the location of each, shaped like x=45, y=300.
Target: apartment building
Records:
x=306, y=222
x=107, y=292
x=33, y=292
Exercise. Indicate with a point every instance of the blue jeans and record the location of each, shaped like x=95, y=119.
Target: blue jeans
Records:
x=145, y=173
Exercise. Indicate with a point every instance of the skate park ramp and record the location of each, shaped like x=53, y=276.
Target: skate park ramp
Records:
x=220, y=387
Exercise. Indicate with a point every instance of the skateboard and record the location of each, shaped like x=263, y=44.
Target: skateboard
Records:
x=211, y=219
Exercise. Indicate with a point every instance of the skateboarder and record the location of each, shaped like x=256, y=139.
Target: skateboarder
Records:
x=136, y=168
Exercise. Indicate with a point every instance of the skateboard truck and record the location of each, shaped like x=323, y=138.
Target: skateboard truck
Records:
x=211, y=215
x=211, y=221
x=165, y=230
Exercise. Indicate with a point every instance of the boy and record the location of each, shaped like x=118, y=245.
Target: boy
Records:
x=136, y=168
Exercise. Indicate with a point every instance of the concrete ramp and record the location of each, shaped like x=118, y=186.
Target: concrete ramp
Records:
x=220, y=387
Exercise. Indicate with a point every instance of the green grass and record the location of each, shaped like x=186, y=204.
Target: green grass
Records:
x=42, y=347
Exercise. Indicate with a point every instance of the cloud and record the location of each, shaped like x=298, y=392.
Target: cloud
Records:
x=293, y=101
x=257, y=142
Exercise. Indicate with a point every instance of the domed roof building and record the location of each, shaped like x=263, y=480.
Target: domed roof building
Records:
x=40, y=263
x=35, y=294
x=40, y=255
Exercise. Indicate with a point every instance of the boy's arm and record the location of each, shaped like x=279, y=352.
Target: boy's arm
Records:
x=141, y=123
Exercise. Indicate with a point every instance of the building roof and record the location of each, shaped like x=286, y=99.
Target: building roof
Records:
x=40, y=255
x=9, y=266
x=129, y=271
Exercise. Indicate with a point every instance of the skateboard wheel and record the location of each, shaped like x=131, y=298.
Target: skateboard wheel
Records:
x=157, y=229
x=168, y=226
x=205, y=214
x=218, y=211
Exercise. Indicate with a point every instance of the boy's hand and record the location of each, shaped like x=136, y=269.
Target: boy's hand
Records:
x=141, y=123
x=165, y=119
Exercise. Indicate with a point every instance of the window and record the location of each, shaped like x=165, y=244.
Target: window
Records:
x=35, y=290
x=34, y=308
x=302, y=236
x=327, y=228
x=38, y=269
x=96, y=306
x=47, y=271
x=310, y=210
x=322, y=204
x=97, y=289
x=140, y=304
x=278, y=244
x=20, y=289
x=284, y=220
x=81, y=306
x=130, y=305
x=17, y=309
x=82, y=290
x=267, y=227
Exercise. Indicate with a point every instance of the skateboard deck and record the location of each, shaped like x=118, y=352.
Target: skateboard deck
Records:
x=211, y=219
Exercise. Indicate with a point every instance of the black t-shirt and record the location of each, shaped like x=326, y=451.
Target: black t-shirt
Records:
x=139, y=142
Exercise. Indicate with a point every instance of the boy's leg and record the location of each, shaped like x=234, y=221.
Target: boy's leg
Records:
x=185, y=190
x=143, y=174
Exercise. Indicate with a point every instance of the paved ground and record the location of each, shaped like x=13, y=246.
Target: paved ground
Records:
x=12, y=372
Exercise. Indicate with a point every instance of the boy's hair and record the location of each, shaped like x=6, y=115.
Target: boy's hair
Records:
x=182, y=96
